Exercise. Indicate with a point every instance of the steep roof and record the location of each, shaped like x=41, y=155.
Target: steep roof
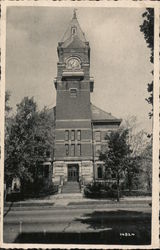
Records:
x=97, y=115
x=68, y=37
x=100, y=115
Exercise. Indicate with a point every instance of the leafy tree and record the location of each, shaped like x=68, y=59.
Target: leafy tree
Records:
x=8, y=118
x=117, y=155
x=139, y=140
x=45, y=134
x=8, y=121
x=43, y=143
x=30, y=140
x=7, y=106
x=19, y=145
x=146, y=165
x=148, y=30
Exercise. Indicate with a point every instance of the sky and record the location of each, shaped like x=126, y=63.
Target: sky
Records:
x=120, y=59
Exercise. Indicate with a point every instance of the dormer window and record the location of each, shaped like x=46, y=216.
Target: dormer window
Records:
x=73, y=31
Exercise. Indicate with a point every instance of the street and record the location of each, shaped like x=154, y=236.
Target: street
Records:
x=79, y=223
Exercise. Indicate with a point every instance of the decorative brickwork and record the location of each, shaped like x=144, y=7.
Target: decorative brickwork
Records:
x=80, y=126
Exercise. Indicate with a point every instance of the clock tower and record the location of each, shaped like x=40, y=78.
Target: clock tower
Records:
x=73, y=158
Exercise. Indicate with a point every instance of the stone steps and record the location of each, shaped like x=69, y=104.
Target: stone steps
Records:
x=71, y=187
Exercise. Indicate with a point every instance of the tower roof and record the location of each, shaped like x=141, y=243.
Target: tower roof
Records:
x=73, y=31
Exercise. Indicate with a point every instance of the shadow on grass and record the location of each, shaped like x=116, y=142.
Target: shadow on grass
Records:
x=103, y=219
x=113, y=227
x=127, y=227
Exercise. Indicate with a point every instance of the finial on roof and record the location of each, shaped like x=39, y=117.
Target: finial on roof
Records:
x=74, y=13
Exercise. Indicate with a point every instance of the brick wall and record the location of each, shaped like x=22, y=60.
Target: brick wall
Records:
x=99, y=133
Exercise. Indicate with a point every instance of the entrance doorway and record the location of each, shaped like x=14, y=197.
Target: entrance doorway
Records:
x=73, y=172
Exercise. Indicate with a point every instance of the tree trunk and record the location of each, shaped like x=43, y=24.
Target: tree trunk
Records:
x=118, y=188
x=129, y=182
x=117, y=193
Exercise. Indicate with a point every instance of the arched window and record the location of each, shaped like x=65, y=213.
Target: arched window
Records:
x=99, y=170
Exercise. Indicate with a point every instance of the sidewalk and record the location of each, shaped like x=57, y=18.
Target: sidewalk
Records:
x=76, y=199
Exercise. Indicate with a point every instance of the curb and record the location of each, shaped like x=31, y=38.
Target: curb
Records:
x=28, y=204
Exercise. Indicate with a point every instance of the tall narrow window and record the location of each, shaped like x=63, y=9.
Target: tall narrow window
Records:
x=72, y=135
x=99, y=172
x=79, y=149
x=72, y=150
x=66, y=135
x=79, y=135
x=98, y=136
x=67, y=149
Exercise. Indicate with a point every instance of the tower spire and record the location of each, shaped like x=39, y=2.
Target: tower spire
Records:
x=74, y=13
x=73, y=28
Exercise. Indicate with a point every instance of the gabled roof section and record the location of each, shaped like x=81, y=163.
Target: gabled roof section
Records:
x=70, y=34
x=99, y=115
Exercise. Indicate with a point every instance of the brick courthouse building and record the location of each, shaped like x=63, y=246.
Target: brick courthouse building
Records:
x=80, y=126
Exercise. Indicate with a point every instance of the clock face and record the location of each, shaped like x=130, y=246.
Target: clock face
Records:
x=73, y=63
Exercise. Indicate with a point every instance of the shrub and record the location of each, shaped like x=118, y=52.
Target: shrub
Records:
x=33, y=194
x=100, y=190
